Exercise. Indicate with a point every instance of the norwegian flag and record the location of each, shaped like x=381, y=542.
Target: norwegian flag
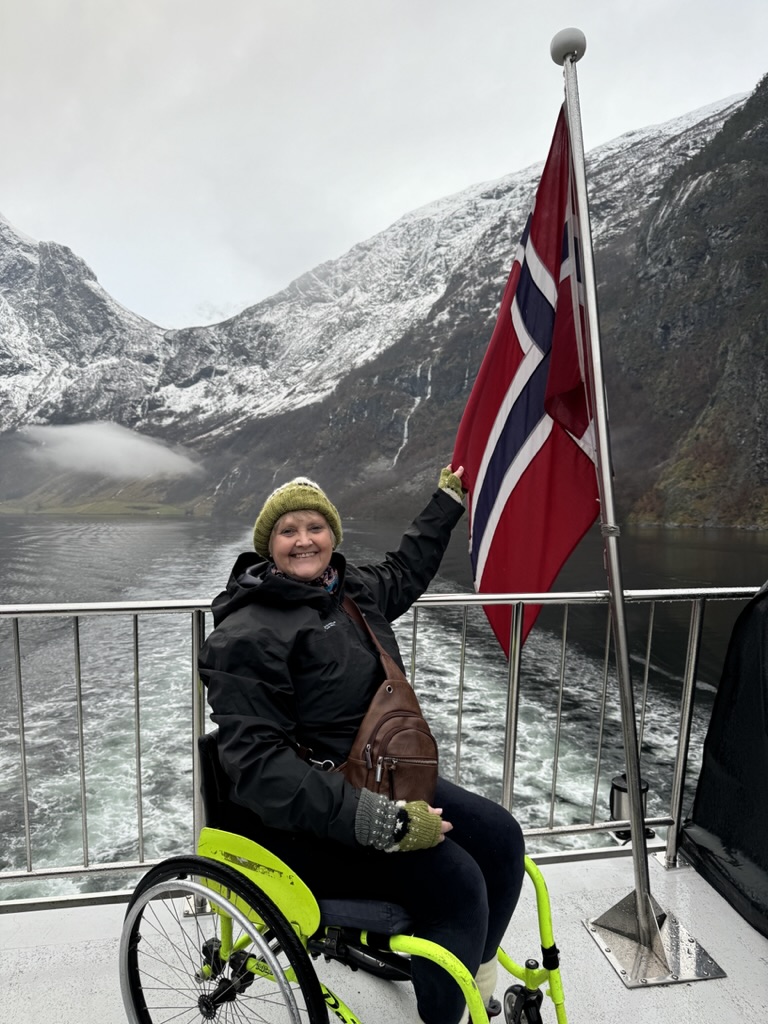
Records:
x=526, y=439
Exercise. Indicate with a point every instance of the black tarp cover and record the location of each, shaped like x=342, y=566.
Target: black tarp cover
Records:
x=726, y=837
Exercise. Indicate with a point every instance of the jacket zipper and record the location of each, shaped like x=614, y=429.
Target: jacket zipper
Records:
x=392, y=763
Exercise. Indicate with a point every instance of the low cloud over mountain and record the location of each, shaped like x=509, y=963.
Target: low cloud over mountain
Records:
x=107, y=450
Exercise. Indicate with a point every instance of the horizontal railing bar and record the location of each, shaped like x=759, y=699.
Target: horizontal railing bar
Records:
x=84, y=899
x=123, y=895
x=112, y=867
x=102, y=608
x=590, y=596
x=92, y=869
x=436, y=600
x=592, y=853
x=598, y=826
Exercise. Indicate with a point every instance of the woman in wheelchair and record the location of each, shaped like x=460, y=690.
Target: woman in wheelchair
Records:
x=289, y=676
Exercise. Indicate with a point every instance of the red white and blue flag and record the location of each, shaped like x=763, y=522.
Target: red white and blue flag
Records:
x=526, y=439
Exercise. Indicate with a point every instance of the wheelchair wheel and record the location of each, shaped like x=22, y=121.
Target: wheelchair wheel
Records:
x=182, y=918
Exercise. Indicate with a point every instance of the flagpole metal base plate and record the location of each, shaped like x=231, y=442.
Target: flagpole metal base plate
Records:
x=675, y=956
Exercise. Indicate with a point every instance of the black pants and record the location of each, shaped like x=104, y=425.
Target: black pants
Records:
x=460, y=894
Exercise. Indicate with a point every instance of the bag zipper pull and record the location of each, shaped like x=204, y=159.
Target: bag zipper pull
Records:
x=379, y=769
x=368, y=759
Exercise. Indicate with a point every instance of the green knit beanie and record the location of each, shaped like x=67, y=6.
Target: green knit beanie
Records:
x=295, y=496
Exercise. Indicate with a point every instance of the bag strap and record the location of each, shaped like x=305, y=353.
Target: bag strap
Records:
x=391, y=669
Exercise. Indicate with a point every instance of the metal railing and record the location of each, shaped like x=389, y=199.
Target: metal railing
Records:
x=14, y=681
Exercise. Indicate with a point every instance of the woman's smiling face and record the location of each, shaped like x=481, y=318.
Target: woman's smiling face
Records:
x=301, y=544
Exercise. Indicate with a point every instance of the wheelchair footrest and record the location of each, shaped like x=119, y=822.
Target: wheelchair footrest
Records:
x=375, y=957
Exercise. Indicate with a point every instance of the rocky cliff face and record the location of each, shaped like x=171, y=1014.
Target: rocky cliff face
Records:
x=67, y=350
x=687, y=355
x=359, y=371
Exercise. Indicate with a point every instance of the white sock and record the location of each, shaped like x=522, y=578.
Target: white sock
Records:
x=486, y=982
x=486, y=979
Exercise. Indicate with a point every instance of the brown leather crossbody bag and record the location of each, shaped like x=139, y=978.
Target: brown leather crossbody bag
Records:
x=394, y=752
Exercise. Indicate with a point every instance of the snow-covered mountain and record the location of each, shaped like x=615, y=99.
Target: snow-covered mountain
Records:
x=344, y=313
x=371, y=355
x=68, y=352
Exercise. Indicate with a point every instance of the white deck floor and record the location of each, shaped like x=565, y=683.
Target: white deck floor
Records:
x=61, y=966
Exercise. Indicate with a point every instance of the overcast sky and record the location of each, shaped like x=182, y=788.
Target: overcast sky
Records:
x=200, y=154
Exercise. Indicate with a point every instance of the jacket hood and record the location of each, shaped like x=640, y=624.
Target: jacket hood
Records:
x=251, y=582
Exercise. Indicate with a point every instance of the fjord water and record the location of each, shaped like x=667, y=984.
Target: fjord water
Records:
x=45, y=560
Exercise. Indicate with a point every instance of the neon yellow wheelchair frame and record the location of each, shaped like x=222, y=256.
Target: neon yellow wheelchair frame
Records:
x=298, y=905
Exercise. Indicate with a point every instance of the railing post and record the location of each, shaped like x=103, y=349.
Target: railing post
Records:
x=559, y=717
x=686, y=718
x=414, y=641
x=198, y=723
x=460, y=697
x=513, y=702
x=81, y=739
x=603, y=710
x=137, y=736
x=22, y=744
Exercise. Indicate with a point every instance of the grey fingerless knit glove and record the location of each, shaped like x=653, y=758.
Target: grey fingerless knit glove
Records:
x=451, y=484
x=393, y=826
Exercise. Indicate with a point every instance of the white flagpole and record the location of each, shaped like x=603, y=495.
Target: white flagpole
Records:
x=643, y=943
x=568, y=47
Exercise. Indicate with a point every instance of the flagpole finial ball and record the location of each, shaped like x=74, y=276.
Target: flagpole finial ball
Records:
x=570, y=42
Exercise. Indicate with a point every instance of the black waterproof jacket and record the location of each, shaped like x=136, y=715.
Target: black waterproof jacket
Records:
x=286, y=667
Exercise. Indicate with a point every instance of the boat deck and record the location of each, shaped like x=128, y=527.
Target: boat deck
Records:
x=61, y=965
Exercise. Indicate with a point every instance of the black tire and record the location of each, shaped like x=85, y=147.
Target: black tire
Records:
x=162, y=952
x=532, y=1015
x=519, y=1011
